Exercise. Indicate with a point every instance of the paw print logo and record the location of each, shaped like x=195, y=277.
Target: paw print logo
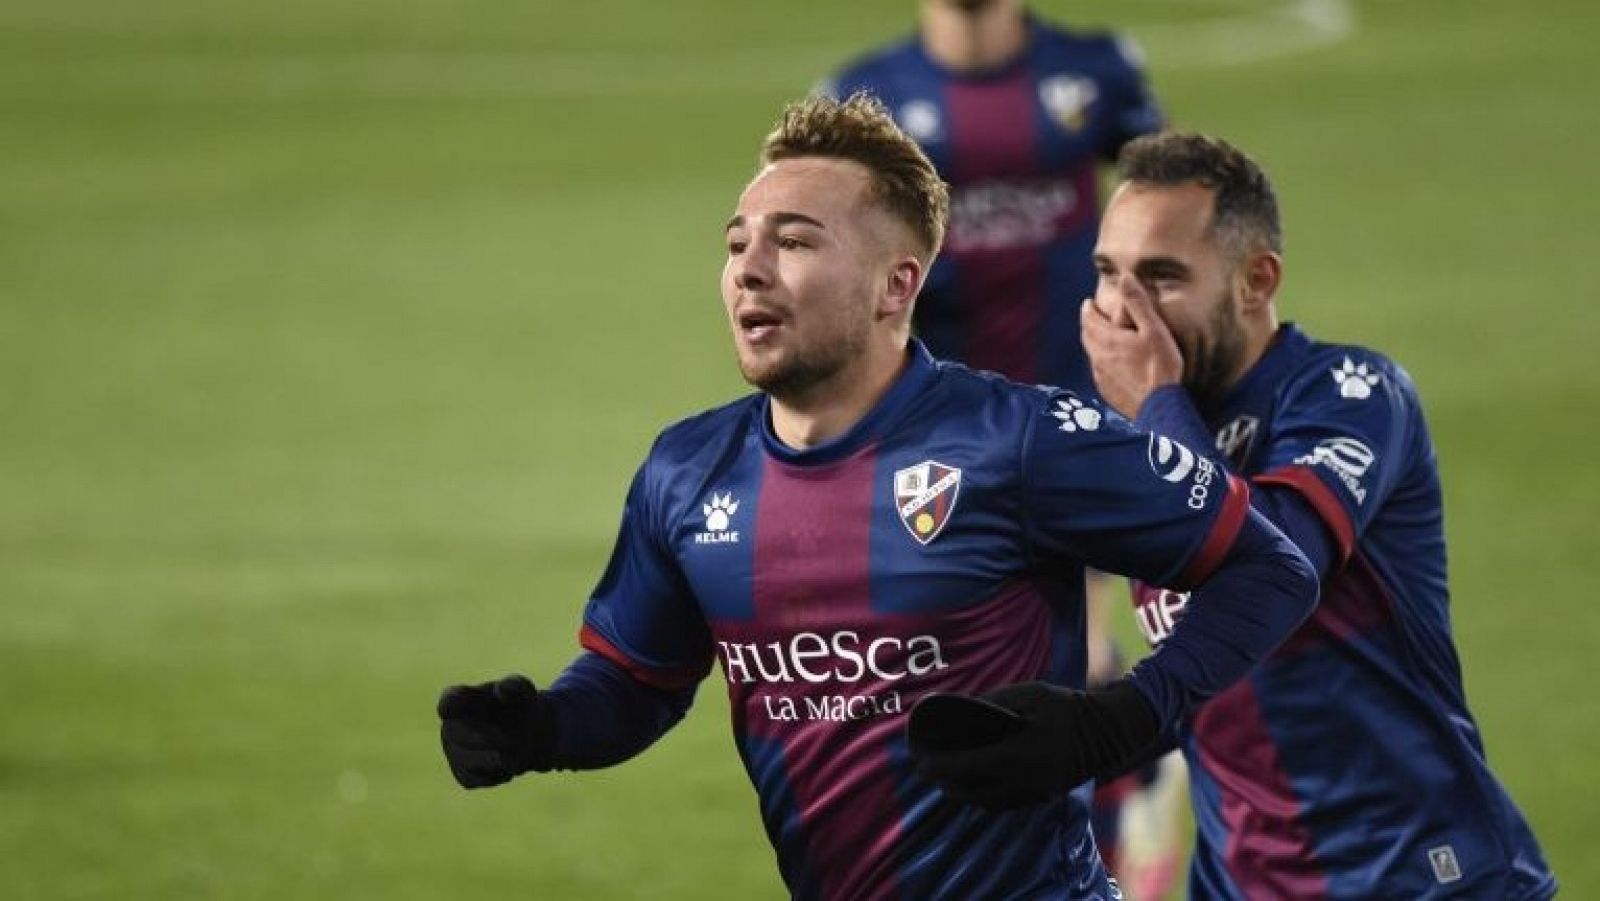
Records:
x=1355, y=380
x=1075, y=414
x=718, y=510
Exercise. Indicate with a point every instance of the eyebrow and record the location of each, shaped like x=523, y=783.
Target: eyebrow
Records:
x=1159, y=264
x=1146, y=264
x=779, y=219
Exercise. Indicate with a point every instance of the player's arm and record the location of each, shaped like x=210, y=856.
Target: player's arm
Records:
x=1259, y=591
x=646, y=648
x=1133, y=105
x=1109, y=497
x=1169, y=411
x=1146, y=506
x=1322, y=442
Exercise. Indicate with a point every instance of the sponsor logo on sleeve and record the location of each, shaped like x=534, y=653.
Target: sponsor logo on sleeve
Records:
x=1355, y=380
x=1346, y=458
x=1175, y=463
x=924, y=496
x=719, y=511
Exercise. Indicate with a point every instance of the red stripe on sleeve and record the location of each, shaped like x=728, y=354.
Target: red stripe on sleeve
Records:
x=1223, y=532
x=664, y=679
x=1321, y=497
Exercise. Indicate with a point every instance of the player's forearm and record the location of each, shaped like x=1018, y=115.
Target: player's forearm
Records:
x=601, y=716
x=1170, y=411
x=1259, y=594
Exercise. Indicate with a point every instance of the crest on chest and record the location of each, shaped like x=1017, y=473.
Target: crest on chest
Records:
x=924, y=497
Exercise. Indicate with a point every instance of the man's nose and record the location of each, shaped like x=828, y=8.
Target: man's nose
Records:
x=1129, y=285
x=1126, y=286
x=1108, y=296
x=754, y=270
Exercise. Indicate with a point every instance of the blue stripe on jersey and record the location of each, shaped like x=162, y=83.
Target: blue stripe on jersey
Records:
x=780, y=814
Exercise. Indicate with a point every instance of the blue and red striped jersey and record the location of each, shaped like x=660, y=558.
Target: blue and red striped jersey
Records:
x=1020, y=148
x=939, y=545
x=1347, y=765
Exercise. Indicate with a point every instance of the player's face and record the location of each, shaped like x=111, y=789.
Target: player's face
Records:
x=1156, y=242
x=802, y=266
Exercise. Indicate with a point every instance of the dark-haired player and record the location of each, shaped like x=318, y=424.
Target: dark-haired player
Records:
x=1347, y=765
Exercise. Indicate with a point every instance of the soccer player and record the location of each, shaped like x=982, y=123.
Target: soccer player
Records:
x=872, y=526
x=1017, y=114
x=1347, y=765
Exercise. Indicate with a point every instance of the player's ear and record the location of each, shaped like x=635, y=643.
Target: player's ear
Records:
x=901, y=285
x=1259, y=277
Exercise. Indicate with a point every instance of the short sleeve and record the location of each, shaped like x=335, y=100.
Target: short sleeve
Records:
x=642, y=615
x=1339, y=438
x=1100, y=491
x=1133, y=110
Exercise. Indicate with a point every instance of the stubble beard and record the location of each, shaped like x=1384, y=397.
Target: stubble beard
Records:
x=1210, y=366
x=796, y=377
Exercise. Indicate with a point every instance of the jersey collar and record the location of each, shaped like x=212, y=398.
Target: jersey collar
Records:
x=920, y=371
x=1002, y=70
x=1287, y=346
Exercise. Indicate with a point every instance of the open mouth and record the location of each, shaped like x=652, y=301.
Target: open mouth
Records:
x=757, y=324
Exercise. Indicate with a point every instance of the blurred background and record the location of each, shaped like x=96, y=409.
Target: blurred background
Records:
x=331, y=333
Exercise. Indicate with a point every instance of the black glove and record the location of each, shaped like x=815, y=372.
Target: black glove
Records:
x=495, y=731
x=1068, y=737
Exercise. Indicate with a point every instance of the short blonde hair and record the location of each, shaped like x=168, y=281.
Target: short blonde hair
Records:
x=860, y=129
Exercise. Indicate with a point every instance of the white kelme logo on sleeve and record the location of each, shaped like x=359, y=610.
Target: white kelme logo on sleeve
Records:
x=1355, y=380
x=1075, y=414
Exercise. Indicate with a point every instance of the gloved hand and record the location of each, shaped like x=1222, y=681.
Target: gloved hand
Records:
x=1069, y=737
x=494, y=732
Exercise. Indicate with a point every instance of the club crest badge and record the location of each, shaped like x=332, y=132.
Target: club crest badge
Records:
x=1237, y=439
x=1067, y=99
x=924, y=495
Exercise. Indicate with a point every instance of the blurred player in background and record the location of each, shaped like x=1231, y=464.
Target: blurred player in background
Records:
x=872, y=526
x=1347, y=765
x=1019, y=115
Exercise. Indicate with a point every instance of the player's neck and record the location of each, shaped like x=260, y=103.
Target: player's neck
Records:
x=1259, y=340
x=1259, y=337
x=982, y=40
x=830, y=409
